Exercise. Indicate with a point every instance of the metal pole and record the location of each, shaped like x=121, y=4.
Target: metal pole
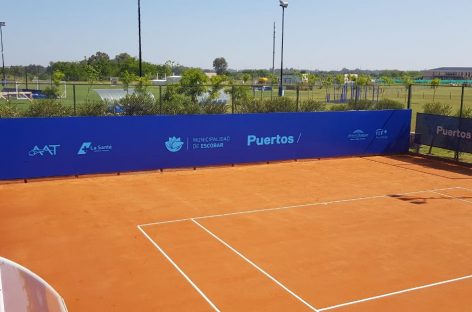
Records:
x=75, y=99
x=273, y=53
x=2, y=24
x=409, y=96
x=140, y=54
x=457, y=151
x=281, y=90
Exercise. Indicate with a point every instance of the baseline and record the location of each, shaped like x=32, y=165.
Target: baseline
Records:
x=396, y=293
x=453, y=197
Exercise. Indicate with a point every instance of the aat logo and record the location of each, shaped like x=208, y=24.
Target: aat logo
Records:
x=174, y=144
x=47, y=150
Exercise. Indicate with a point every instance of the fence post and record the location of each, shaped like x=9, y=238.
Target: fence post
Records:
x=75, y=100
x=457, y=152
x=409, y=96
x=232, y=100
x=160, y=100
x=298, y=98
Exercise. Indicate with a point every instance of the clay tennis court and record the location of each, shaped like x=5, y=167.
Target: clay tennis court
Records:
x=351, y=234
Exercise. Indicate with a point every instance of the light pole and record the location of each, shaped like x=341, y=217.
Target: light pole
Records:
x=284, y=5
x=139, y=27
x=2, y=24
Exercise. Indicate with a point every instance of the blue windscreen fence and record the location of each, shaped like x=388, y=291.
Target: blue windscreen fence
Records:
x=45, y=147
x=446, y=132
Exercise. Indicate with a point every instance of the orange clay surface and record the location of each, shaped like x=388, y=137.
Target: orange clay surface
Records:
x=354, y=234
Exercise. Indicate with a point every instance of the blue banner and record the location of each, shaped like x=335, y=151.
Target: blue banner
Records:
x=446, y=132
x=43, y=147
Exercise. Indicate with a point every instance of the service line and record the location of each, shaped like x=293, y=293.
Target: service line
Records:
x=291, y=207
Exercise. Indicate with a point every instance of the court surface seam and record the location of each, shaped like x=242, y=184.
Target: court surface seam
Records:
x=202, y=294
x=291, y=207
x=311, y=307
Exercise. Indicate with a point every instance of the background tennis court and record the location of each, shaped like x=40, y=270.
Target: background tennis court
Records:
x=353, y=234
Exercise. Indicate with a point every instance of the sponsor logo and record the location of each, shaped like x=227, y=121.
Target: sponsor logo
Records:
x=358, y=135
x=454, y=133
x=89, y=147
x=381, y=134
x=174, y=144
x=273, y=140
x=47, y=150
x=210, y=142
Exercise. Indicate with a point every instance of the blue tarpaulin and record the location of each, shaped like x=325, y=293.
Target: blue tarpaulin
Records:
x=43, y=147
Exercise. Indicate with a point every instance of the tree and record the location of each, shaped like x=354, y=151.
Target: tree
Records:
x=127, y=78
x=101, y=62
x=435, y=84
x=217, y=84
x=387, y=80
x=220, y=65
x=193, y=83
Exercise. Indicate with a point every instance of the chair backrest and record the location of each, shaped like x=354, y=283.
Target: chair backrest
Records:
x=22, y=290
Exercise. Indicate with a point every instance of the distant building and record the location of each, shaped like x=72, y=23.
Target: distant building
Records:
x=449, y=73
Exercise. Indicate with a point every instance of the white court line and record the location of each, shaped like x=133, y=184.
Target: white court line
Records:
x=257, y=267
x=453, y=197
x=179, y=270
x=396, y=293
x=290, y=207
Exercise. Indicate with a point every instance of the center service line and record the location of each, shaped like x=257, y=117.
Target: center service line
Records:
x=179, y=270
x=257, y=267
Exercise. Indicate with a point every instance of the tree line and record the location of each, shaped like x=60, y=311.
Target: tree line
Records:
x=101, y=67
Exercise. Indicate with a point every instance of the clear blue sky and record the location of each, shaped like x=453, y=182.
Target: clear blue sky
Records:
x=319, y=34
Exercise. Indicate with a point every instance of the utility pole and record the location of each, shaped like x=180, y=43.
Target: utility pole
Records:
x=273, y=53
x=2, y=24
x=139, y=27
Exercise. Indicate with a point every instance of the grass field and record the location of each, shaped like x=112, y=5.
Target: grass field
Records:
x=420, y=94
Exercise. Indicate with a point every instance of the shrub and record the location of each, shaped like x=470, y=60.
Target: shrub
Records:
x=280, y=104
x=179, y=104
x=211, y=108
x=466, y=113
x=388, y=104
x=138, y=104
x=437, y=108
x=93, y=108
x=9, y=110
x=360, y=105
x=312, y=106
x=48, y=108
x=339, y=107
x=51, y=92
x=251, y=106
